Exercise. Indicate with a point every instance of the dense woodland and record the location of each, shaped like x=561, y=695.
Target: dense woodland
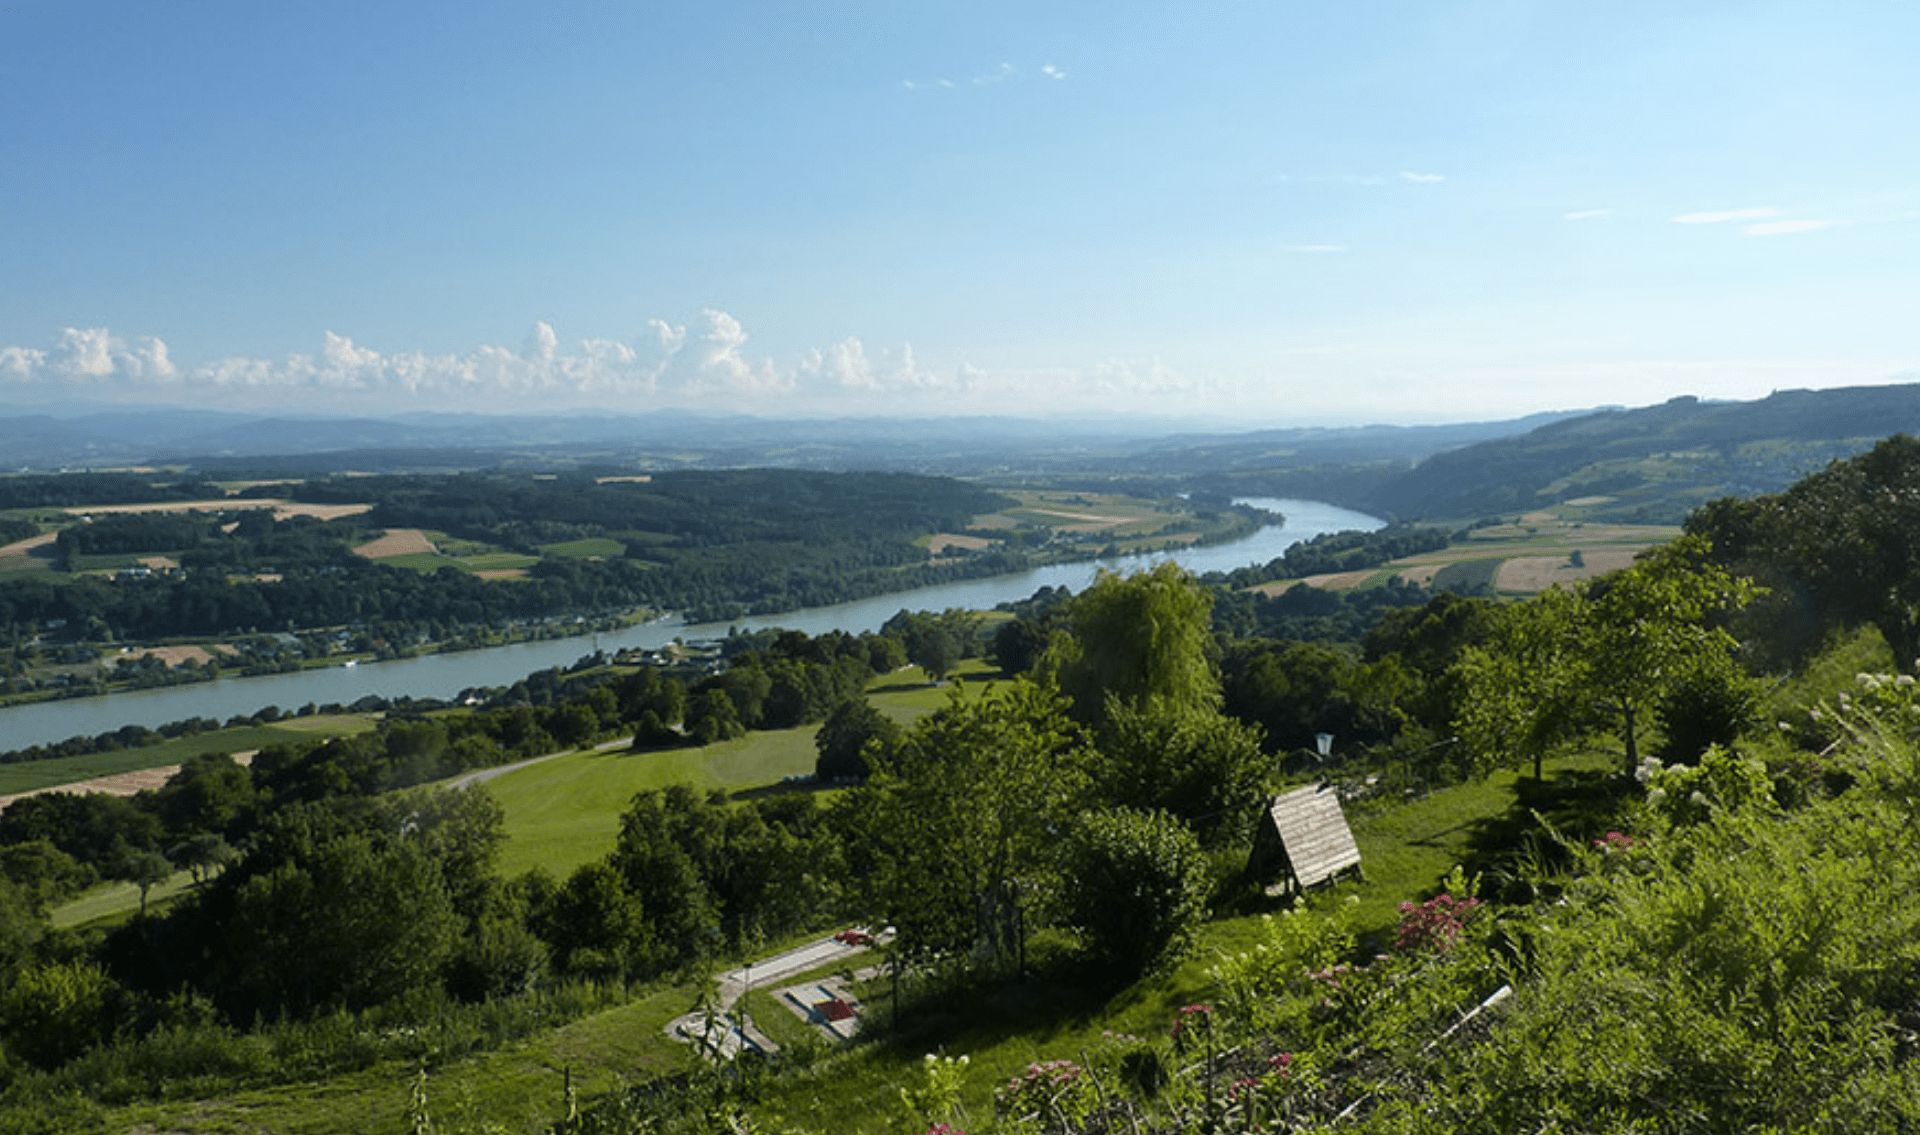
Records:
x=710, y=544
x=1725, y=943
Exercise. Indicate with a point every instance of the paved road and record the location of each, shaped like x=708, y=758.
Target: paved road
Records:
x=486, y=774
x=734, y=985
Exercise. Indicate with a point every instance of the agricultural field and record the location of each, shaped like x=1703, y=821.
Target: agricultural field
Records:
x=1546, y=548
x=1128, y=523
x=71, y=772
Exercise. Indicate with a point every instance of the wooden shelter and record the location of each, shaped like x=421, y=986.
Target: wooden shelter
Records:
x=1303, y=838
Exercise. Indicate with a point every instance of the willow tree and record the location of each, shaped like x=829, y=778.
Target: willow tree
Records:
x=1136, y=639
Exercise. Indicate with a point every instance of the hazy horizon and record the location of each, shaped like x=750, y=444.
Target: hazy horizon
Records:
x=1251, y=214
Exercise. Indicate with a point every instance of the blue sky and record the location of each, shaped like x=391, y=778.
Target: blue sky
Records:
x=1271, y=213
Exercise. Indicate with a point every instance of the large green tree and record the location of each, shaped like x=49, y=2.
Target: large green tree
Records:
x=1839, y=548
x=1136, y=638
x=1610, y=654
x=964, y=817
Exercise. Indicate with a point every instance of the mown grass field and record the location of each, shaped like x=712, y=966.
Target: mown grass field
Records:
x=1133, y=524
x=564, y=812
x=598, y=547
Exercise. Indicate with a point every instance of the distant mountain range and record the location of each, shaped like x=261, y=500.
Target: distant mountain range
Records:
x=1653, y=463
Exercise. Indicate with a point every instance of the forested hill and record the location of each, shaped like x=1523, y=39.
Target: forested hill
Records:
x=1657, y=462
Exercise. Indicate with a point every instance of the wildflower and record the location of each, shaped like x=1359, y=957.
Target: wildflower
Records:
x=1197, y=1013
x=1614, y=841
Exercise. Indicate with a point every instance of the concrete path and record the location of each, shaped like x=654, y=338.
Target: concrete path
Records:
x=726, y=1033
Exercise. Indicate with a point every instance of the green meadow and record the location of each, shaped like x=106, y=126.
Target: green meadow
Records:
x=564, y=812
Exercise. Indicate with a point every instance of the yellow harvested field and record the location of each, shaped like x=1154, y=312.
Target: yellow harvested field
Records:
x=945, y=540
x=1537, y=573
x=281, y=508
x=119, y=784
x=1340, y=581
x=1090, y=518
x=502, y=573
x=175, y=655
x=637, y=479
x=397, y=542
x=158, y=563
x=1422, y=574
x=1588, y=502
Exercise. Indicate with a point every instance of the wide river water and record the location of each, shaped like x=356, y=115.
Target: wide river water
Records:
x=445, y=675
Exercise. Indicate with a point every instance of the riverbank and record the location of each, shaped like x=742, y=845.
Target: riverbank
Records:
x=448, y=676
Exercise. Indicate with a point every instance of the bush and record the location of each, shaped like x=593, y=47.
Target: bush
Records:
x=1140, y=888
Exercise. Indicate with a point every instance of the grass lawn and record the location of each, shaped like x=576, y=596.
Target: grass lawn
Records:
x=1407, y=851
x=519, y=1088
x=565, y=812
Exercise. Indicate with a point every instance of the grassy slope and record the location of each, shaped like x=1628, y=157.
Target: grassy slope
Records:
x=1407, y=850
x=565, y=812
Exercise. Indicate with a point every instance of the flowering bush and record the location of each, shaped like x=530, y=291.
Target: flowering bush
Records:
x=1189, y=1018
x=1434, y=925
x=939, y=1092
x=1722, y=780
x=1612, y=842
x=1049, y=1085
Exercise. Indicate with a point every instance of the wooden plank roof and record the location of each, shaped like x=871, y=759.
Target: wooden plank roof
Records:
x=1314, y=834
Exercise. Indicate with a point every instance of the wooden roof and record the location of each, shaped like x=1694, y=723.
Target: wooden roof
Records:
x=1314, y=834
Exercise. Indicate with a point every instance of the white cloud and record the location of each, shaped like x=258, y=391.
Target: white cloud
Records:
x=1004, y=73
x=1423, y=177
x=1755, y=214
x=542, y=343
x=1778, y=228
x=1586, y=214
x=709, y=362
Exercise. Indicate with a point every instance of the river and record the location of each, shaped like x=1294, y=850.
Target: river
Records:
x=445, y=675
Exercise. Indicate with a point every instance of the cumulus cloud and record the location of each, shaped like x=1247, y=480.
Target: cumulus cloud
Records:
x=709, y=361
x=1423, y=177
x=90, y=356
x=542, y=343
x=1754, y=214
x=1052, y=72
x=1778, y=228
